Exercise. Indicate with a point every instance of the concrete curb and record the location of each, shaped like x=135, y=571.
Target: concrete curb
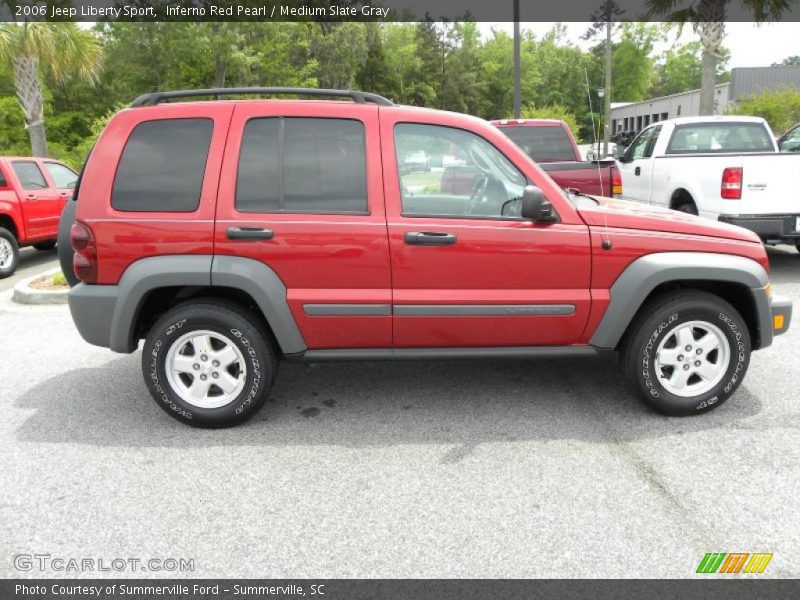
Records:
x=24, y=294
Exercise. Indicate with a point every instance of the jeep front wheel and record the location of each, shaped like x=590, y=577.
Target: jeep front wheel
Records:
x=208, y=364
x=686, y=353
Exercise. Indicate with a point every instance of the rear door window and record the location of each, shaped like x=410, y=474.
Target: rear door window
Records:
x=29, y=175
x=63, y=178
x=162, y=166
x=302, y=165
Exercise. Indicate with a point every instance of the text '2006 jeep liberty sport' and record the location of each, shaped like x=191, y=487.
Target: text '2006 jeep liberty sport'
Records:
x=229, y=234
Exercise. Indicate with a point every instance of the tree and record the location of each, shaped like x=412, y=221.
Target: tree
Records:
x=61, y=48
x=707, y=18
x=789, y=61
x=681, y=69
x=781, y=108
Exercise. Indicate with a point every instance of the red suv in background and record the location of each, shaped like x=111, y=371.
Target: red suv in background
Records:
x=33, y=192
x=231, y=234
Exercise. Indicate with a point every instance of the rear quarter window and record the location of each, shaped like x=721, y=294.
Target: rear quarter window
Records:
x=3, y=182
x=162, y=166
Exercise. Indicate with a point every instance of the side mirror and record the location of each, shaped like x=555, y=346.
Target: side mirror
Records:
x=536, y=207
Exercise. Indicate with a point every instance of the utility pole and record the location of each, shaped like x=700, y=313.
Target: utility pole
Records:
x=607, y=107
x=517, y=69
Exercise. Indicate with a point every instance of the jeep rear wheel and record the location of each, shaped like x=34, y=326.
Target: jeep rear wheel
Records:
x=208, y=364
x=686, y=353
x=9, y=253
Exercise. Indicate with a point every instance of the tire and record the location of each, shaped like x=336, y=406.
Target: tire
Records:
x=687, y=207
x=168, y=364
x=43, y=246
x=652, y=346
x=65, y=251
x=9, y=253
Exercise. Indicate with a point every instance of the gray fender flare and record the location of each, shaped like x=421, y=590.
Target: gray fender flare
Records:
x=644, y=274
x=269, y=292
x=245, y=274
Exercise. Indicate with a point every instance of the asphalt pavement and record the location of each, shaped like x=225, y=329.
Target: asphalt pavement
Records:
x=432, y=469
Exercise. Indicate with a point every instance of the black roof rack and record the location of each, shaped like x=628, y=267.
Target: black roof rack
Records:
x=359, y=97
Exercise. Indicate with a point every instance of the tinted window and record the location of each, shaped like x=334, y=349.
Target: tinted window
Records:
x=322, y=168
x=542, y=144
x=63, y=178
x=29, y=175
x=162, y=166
x=719, y=137
x=476, y=179
x=791, y=143
x=3, y=180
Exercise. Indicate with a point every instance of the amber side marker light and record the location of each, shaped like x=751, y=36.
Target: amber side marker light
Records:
x=777, y=322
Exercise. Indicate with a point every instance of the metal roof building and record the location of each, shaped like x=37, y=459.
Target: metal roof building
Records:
x=746, y=81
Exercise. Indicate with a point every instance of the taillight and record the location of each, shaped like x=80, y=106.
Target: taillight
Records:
x=84, y=261
x=616, y=182
x=731, y=187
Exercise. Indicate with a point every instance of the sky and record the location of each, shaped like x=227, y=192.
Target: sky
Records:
x=751, y=45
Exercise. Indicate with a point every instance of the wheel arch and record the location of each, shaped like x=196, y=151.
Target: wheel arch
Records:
x=7, y=222
x=738, y=280
x=152, y=285
x=679, y=195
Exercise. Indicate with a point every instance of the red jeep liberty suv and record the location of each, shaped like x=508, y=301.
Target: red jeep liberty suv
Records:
x=231, y=234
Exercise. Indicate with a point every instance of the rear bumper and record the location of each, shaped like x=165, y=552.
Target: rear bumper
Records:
x=770, y=228
x=781, y=315
x=92, y=308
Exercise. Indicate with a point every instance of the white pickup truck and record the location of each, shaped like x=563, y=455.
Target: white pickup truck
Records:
x=723, y=168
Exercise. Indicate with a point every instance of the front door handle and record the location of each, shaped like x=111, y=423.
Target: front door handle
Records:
x=249, y=233
x=429, y=238
x=637, y=171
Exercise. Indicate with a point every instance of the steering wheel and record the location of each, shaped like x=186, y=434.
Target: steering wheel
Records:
x=478, y=191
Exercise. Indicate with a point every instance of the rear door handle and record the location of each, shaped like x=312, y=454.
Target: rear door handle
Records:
x=637, y=171
x=249, y=233
x=429, y=238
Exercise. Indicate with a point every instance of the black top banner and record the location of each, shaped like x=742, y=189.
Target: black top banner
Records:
x=395, y=10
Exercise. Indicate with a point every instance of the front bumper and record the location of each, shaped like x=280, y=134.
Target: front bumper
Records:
x=781, y=314
x=770, y=228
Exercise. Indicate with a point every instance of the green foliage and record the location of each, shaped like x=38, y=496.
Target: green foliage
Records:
x=552, y=111
x=442, y=65
x=781, y=108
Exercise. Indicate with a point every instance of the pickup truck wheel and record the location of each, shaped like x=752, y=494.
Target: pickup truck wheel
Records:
x=686, y=353
x=687, y=207
x=9, y=253
x=48, y=245
x=208, y=364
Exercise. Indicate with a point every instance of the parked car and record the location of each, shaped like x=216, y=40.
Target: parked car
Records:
x=790, y=141
x=417, y=161
x=32, y=195
x=227, y=235
x=552, y=146
x=722, y=168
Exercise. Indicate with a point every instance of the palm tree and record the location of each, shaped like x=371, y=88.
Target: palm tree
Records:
x=62, y=48
x=707, y=18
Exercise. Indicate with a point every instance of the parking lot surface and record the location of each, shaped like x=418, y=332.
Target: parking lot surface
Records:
x=31, y=262
x=429, y=469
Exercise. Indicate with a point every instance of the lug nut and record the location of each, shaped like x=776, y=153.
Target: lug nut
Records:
x=203, y=357
x=215, y=363
x=688, y=348
x=697, y=363
x=699, y=351
x=196, y=366
x=686, y=367
x=203, y=377
x=680, y=357
x=215, y=375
